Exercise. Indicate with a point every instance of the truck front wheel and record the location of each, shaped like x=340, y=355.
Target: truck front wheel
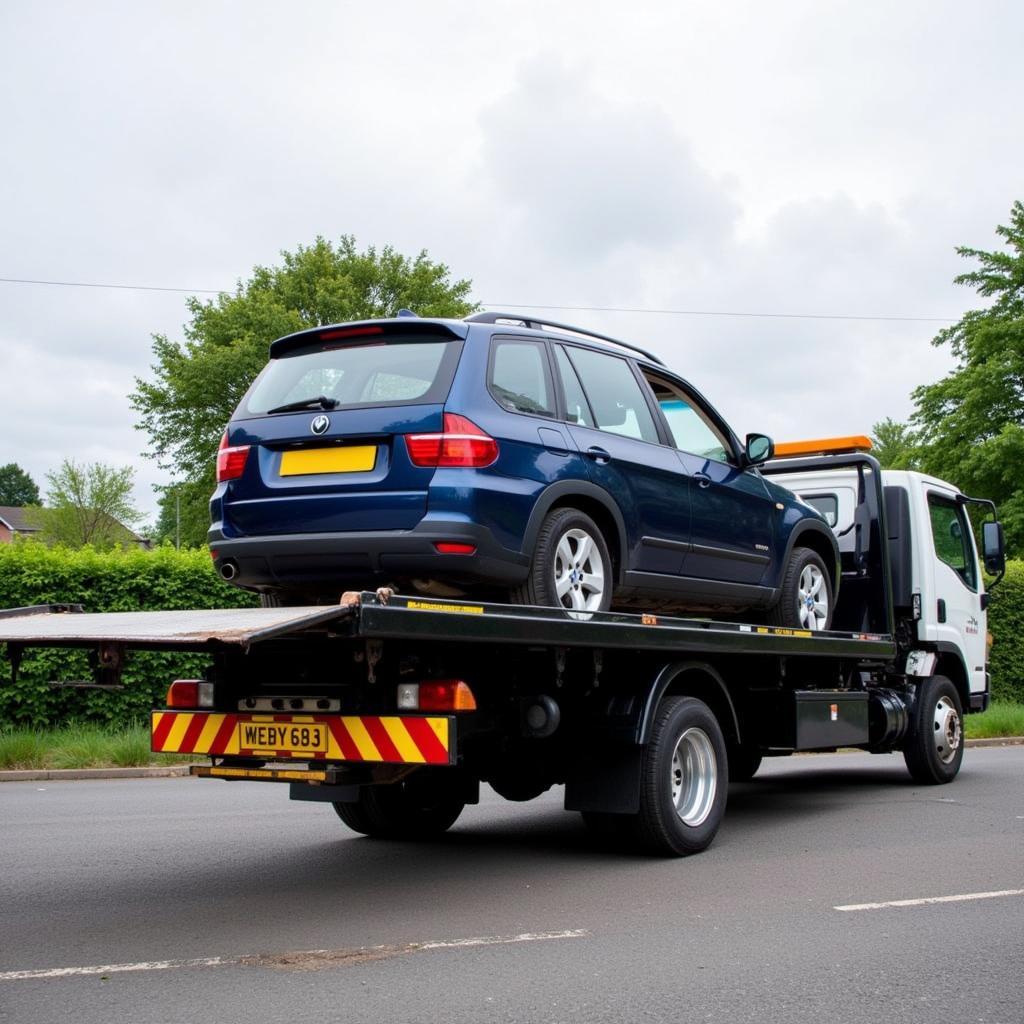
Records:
x=934, y=747
x=415, y=808
x=684, y=779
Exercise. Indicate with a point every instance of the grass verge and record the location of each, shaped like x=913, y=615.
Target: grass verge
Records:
x=1003, y=718
x=80, y=746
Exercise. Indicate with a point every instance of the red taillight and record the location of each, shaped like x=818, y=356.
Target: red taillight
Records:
x=190, y=693
x=451, y=547
x=231, y=461
x=462, y=443
x=436, y=695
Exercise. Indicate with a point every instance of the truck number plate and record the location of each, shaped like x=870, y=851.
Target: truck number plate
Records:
x=295, y=738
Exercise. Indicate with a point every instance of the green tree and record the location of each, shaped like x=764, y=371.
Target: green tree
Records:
x=971, y=423
x=196, y=384
x=88, y=504
x=17, y=488
x=894, y=444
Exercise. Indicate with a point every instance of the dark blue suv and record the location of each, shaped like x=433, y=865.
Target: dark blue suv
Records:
x=511, y=458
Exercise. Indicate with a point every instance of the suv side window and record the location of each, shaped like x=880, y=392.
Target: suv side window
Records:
x=951, y=537
x=615, y=397
x=690, y=428
x=519, y=377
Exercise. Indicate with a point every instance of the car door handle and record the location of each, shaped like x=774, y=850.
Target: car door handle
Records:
x=599, y=455
x=702, y=480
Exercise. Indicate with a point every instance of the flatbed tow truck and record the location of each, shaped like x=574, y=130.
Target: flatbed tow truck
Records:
x=394, y=709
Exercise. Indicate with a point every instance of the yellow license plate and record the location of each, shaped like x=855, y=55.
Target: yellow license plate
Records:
x=354, y=459
x=292, y=737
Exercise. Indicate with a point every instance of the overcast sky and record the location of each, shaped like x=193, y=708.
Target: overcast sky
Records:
x=788, y=157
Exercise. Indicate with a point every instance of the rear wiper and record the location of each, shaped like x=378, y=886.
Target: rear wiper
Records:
x=319, y=402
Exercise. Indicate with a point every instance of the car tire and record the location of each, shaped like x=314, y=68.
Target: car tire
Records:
x=683, y=780
x=806, y=600
x=571, y=567
x=410, y=809
x=934, y=747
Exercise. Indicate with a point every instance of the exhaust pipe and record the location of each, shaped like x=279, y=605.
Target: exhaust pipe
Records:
x=228, y=570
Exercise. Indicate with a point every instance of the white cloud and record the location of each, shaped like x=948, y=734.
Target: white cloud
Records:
x=589, y=176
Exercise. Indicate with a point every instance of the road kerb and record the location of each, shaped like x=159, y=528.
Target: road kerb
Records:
x=66, y=774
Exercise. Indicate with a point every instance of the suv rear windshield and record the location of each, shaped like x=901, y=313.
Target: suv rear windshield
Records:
x=398, y=372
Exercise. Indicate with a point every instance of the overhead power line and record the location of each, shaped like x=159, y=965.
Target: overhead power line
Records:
x=122, y=287
x=722, y=312
x=520, y=305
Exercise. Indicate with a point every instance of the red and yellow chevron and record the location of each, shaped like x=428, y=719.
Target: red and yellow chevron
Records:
x=387, y=739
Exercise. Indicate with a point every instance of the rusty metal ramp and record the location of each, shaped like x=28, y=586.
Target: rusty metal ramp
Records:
x=193, y=629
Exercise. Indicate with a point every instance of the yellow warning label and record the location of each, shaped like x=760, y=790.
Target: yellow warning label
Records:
x=430, y=606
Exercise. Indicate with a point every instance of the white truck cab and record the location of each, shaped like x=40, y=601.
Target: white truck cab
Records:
x=938, y=592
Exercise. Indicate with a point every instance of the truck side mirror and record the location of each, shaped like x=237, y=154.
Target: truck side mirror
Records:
x=759, y=448
x=994, y=548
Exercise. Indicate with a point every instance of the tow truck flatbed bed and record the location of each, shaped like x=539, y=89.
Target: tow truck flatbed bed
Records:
x=368, y=616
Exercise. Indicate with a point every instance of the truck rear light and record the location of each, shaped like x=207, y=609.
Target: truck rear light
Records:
x=451, y=547
x=436, y=695
x=462, y=443
x=190, y=693
x=231, y=460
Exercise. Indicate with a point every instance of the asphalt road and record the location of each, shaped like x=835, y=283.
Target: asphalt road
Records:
x=108, y=874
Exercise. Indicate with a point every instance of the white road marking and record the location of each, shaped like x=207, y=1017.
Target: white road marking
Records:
x=497, y=940
x=959, y=898
x=150, y=965
x=328, y=956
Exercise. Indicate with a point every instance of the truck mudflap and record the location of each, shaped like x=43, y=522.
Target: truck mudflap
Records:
x=380, y=739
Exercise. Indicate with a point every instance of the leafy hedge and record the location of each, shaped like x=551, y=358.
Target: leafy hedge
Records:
x=119, y=580
x=134, y=580
x=1006, y=624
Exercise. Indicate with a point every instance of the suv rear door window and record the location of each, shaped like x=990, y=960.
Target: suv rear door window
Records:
x=375, y=373
x=615, y=397
x=519, y=378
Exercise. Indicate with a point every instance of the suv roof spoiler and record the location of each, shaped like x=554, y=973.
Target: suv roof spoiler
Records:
x=536, y=324
x=359, y=330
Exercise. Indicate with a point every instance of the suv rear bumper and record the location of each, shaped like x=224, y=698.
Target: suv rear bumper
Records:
x=295, y=561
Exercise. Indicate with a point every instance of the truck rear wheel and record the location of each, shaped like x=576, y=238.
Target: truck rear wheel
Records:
x=684, y=779
x=414, y=808
x=934, y=748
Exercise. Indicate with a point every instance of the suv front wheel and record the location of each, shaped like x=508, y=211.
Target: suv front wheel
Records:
x=571, y=566
x=806, y=600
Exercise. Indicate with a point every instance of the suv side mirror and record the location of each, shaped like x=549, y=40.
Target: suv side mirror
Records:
x=994, y=548
x=759, y=448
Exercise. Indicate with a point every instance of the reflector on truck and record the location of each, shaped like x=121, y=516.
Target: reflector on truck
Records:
x=385, y=739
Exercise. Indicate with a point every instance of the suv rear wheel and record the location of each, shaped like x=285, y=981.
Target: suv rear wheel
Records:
x=571, y=566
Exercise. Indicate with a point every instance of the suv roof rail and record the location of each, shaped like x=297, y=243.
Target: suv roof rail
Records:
x=537, y=324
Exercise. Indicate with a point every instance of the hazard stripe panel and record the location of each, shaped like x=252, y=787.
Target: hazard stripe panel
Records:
x=382, y=739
